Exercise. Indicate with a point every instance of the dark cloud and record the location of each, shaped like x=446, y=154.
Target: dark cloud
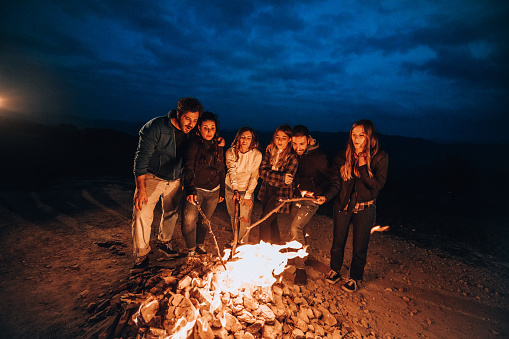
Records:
x=412, y=68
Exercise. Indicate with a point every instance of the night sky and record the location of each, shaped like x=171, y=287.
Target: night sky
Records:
x=430, y=69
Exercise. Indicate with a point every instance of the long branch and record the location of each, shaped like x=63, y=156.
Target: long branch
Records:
x=283, y=201
x=213, y=235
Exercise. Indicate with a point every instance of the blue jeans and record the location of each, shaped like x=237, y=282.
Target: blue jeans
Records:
x=302, y=212
x=362, y=222
x=194, y=229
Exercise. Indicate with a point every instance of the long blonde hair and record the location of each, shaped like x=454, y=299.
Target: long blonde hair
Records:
x=351, y=164
x=272, y=148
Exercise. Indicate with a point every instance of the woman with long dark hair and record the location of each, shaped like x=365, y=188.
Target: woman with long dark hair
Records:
x=358, y=174
x=242, y=163
x=277, y=169
x=203, y=175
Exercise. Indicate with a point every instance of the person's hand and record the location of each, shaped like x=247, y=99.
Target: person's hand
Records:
x=236, y=196
x=309, y=194
x=221, y=142
x=192, y=199
x=288, y=178
x=362, y=159
x=220, y=199
x=248, y=202
x=320, y=199
x=140, y=198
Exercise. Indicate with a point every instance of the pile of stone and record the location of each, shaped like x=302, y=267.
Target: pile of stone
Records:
x=173, y=303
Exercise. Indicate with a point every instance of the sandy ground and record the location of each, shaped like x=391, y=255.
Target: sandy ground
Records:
x=67, y=244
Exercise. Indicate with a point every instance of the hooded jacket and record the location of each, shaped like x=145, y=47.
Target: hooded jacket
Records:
x=313, y=173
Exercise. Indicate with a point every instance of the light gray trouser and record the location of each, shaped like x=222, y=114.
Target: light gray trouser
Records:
x=170, y=193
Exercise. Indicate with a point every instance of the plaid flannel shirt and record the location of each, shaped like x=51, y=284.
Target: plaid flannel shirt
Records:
x=277, y=179
x=360, y=206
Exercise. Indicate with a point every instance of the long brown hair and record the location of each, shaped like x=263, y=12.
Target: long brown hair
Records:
x=371, y=149
x=272, y=148
x=209, y=116
x=236, y=142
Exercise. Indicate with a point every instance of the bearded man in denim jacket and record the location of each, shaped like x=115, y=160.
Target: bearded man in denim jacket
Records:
x=157, y=166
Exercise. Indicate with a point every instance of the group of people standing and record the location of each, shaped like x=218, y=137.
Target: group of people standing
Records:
x=175, y=157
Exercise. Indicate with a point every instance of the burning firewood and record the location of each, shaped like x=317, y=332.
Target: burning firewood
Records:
x=202, y=299
x=208, y=298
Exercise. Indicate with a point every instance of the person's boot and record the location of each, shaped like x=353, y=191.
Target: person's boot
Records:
x=167, y=249
x=140, y=265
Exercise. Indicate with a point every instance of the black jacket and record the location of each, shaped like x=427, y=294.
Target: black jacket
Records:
x=364, y=188
x=313, y=174
x=203, y=167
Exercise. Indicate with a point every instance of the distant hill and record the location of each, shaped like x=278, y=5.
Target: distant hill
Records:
x=32, y=153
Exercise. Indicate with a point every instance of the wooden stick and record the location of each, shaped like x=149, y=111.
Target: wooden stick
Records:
x=235, y=226
x=213, y=235
x=283, y=201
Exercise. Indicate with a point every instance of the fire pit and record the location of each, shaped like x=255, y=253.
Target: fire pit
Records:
x=211, y=299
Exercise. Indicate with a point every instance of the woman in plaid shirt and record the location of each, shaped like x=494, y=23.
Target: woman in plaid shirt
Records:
x=277, y=169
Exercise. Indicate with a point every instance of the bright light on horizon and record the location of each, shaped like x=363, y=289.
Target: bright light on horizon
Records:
x=6, y=103
x=14, y=101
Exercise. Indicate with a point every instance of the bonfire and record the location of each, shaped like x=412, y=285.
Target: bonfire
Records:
x=239, y=293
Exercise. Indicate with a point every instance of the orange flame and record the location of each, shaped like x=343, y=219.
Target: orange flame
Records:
x=379, y=228
x=255, y=266
x=252, y=270
x=183, y=327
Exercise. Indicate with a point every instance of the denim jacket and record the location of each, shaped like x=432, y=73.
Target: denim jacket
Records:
x=157, y=150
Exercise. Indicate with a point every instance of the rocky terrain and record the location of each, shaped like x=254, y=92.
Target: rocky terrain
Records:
x=67, y=245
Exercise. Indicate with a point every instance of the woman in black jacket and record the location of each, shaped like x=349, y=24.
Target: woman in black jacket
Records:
x=203, y=175
x=358, y=174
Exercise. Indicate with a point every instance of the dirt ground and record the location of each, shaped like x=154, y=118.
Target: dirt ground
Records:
x=67, y=244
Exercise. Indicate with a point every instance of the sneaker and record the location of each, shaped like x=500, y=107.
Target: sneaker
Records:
x=141, y=263
x=351, y=286
x=167, y=249
x=333, y=277
x=301, y=277
x=200, y=249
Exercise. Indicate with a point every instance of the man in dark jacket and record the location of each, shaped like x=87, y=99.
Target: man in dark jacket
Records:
x=157, y=166
x=311, y=179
